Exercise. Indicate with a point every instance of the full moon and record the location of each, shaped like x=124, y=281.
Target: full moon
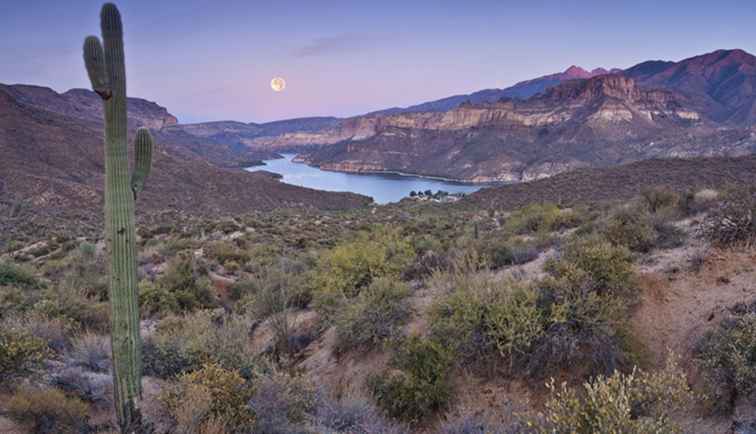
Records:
x=278, y=84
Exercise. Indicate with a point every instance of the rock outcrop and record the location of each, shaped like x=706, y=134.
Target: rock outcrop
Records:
x=603, y=120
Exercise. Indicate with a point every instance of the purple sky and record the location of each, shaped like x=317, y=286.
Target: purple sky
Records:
x=211, y=60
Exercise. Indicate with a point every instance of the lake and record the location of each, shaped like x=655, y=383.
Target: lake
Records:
x=383, y=188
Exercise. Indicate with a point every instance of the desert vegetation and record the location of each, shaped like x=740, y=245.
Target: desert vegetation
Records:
x=390, y=320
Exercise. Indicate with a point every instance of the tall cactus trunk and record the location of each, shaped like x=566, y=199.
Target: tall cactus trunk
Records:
x=107, y=73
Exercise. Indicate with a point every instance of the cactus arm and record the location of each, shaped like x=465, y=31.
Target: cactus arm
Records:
x=143, y=145
x=94, y=59
x=107, y=72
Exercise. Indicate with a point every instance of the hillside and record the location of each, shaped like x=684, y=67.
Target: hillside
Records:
x=552, y=124
x=52, y=169
x=409, y=318
x=601, y=121
x=594, y=185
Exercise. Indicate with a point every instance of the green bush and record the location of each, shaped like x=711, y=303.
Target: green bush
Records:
x=156, y=300
x=342, y=272
x=273, y=290
x=210, y=393
x=185, y=284
x=658, y=198
x=226, y=252
x=49, y=411
x=635, y=403
x=419, y=383
x=546, y=217
x=585, y=302
x=73, y=304
x=182, y=343
x=632, y=228
x=727, y=356
x=484, y=319
x=502, y=253
x=375, y=315
x=609, y=267
x=20, y=351
x=15, y=275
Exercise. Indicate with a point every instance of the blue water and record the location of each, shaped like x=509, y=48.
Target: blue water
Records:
x=383, y=188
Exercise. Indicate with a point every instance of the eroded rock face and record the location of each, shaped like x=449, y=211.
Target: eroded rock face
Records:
x=86, y=105
x=600, y=121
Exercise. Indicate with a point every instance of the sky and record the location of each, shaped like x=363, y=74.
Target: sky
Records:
x=213, y=59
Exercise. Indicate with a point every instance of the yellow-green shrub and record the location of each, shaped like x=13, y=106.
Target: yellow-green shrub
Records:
x=49, y=410
x=182, y=343
x=727, y=356
x=632, y=228
x=419, y=383
x=228, y=391
x=608, y=267
x=635, y=403
x=19, y=352
x=544, y=217
x=484, y=318
x=375, y=315
x=342, y=272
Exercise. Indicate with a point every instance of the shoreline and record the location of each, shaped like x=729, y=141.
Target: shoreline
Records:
x=397, y=173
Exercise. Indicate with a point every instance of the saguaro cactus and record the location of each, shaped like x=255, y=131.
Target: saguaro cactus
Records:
x=107, y=73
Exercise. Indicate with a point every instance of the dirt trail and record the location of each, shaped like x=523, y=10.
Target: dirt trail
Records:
x=678, y=307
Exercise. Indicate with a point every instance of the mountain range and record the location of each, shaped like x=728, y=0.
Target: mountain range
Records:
x=702, y=106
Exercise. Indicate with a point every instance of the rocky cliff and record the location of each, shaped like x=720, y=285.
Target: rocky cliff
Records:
x=702, y=106
x=600, y=121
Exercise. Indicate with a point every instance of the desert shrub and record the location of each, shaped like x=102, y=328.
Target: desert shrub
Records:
x=608, y=267
x=14, y=300
x=177, y=245
x=484, y=319
x=546, y=217
x=182, y=343
x=657, y=198
x=631, y=227
x=581, y=328
x=275, y=288
x=94, y=387
x=733, y=220
x=585, y=302
x=668, y=236
x=225, y=252
x=352, y=417
x=19, y=276
x=375, y=315
x=419, y=383
x=342, y=272
x=20, y=351
x=92, y=352
x=56, y=332
x=211, y=393
x=727, y=356
x=72, y=304
x=639, y=402
x=185, y=284
x=501, y=253
x=157, y=300
x=282, y=403
x=87, y=273
x=48, y=411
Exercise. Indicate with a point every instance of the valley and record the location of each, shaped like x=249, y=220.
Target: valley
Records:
x=570, y=254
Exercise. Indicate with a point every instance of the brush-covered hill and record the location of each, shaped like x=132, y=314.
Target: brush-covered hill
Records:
x=52, y=165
